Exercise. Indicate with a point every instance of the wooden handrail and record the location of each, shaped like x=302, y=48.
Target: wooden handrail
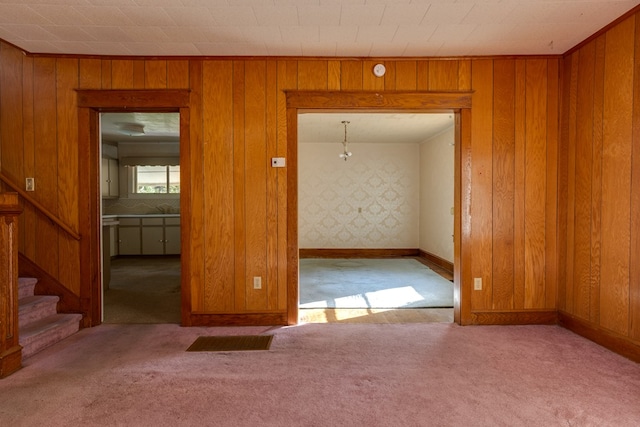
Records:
x=39, y=207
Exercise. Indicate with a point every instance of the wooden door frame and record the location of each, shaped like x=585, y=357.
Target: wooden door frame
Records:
x=90, y=104
x=458, y=103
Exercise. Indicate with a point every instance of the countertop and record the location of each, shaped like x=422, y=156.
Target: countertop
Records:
x=116, y=216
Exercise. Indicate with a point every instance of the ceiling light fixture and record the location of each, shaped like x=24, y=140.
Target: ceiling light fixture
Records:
x=346, y=154
x=132, y=129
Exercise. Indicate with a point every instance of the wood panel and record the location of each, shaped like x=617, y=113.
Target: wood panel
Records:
x=351, y=75
x=218, y=287
x=596, y=189
x=406, y=77
x=583, y=183
x=503, y=183
x=90, y=73
x=369, y=80
x=287, y=79
x=255, y=167
x=239, y=181
x=106, y=76
x=616, y=177
x=535, y=182
x=312, y=75
x=271, y=120
x=551, y=204
x=519, y=186
x=46, y=164
x=482, y=183
x=155, y=74
x=11, y=158
x=28, y=239
x=67, y=185
x=443, y=75
x=177, y=74
x=634, y=276
x=121, y=74
x=194, y=292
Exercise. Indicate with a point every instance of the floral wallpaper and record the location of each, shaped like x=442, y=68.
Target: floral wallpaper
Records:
x=369, y=201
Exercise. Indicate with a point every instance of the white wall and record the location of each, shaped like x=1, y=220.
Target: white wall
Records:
x=370, y=201
x=436, y=195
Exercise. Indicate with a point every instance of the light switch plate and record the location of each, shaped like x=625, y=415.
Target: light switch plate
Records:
x=30, y=184
x=278, y=162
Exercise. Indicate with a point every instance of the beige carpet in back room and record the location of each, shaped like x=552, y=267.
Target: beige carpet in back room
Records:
x=143, y=290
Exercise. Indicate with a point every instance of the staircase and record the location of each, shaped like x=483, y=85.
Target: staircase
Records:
x=39, y=322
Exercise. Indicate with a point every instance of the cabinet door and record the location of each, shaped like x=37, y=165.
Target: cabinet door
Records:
x=152, y=240
x=114, y=182
x=109, y=185
x=113, y=241
x=104, y=177
x=172, y=240
x=129, y=241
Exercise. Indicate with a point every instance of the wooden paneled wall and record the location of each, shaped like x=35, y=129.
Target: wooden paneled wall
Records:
x=600, y=187
x=238, y=203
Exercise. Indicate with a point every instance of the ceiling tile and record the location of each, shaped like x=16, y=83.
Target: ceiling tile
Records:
x=234, y=15
x=338, y=34
x=447, y=13
x=104, y=15
x=404, y=14
x=319, y=15
x=271, y=34
x=21, y=14
x=270, y=15
x=361, y=15
x=375, y=34
x=191, y=16
x=301, y=34
x=68, y=33
x=146, y=34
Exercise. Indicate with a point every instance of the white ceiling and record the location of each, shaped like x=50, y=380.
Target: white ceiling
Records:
x=371, y=127
x=360, y=28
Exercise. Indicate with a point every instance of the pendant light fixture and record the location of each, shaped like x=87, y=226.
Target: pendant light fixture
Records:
x=346, y=154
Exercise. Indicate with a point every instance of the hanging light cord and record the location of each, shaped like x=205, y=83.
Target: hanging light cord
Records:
x=346, y=154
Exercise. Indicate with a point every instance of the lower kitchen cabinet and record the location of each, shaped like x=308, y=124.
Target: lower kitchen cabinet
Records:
x=129, y=242
x=149, y=236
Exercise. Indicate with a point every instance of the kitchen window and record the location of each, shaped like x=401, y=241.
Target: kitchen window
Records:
x=155, y=179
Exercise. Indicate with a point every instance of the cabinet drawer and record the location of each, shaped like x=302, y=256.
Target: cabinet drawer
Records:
x=151, y=221
x=172, y=221
x=129, y=221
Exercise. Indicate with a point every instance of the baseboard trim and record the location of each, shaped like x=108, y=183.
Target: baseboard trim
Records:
x=617, y=343
x=49, y=285
x=514, y=317
x=223, y=319
x=357, y=253
x=10, y=361
x=435, y=259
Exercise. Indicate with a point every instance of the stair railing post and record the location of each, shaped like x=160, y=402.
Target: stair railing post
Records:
x=10, y=349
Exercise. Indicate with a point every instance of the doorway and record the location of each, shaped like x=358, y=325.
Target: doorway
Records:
x=140, y=188
x=91, y=103
x=459, y=104
x=376, y=190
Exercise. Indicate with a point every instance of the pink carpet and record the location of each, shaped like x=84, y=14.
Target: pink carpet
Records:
x=326, y=375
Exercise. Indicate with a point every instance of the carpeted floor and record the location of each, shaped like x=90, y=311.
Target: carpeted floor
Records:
x=371, y=283
x=351, y=375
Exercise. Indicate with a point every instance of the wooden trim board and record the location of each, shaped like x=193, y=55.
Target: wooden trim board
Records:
x=356, y=253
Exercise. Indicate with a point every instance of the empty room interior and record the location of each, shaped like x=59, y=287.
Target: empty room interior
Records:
x=320, y=212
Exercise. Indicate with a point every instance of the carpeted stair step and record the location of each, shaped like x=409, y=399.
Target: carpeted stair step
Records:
x=26, y=285
x=47, y=331
x=33, y=308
